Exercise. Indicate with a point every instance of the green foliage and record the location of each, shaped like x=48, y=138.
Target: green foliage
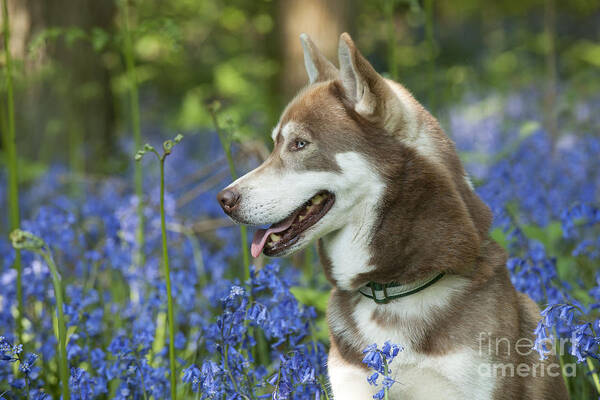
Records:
x=226, y=138
x=209, y=65
x=206, y=50
x=9, y=138
x=317, y=298
x=189, y=52
x=167, y=149
x=22, y=240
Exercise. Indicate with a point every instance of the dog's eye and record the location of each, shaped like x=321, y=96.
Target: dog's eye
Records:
x=299, y=144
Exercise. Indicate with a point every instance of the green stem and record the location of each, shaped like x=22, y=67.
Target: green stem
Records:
x=63, y=365
x=137, y=134
x=28, y=388
x=229, y=374
x=595, y=377
x=243, y=231
x=170, y=314
x=562, y=368
x=313, y=337
x=139, y=367
x=323, y=388
x=560, y=359
x=197, y=254
x=13, y=183
x=386, y=372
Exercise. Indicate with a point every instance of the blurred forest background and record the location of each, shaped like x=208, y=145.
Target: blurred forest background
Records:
x=515, y=83
x=71, y=81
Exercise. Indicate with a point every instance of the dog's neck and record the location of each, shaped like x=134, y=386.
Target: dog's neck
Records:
x=345, y=254
x=383, y=245
x=419, y=216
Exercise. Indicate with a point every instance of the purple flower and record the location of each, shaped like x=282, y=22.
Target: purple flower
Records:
x=379, y=360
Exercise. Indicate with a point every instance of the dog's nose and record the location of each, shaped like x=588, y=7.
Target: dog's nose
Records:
x=228, y=199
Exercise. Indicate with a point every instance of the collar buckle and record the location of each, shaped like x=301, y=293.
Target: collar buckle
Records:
x=378, y=286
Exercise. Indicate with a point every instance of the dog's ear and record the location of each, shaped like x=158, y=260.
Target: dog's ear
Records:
x=369, y=94
x=361, y=82
x=317, y=66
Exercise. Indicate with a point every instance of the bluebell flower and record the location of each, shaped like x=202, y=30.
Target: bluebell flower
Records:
x=9, y=352
x=211, y=376
x=27, y=365
x=191, y=375
x=39, y=395
x=114, y=307
x=379, y=360
x=80, y=385
x=562, y=319
x=372, y=379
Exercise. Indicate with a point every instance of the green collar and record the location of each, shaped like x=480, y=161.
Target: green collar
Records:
x=383, y=293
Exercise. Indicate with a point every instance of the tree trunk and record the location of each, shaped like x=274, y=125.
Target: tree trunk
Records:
x=323, y=21
x=74, y=106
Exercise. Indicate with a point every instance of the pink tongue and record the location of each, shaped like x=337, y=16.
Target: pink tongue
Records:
x=261, y=235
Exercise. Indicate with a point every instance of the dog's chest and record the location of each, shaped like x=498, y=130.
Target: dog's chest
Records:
x=417, y=378
x=453, y=374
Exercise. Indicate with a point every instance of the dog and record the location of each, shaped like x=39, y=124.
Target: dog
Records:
x=360, y=166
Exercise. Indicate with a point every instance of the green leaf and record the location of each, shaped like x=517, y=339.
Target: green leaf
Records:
x=193, y=112
x=311, y=297
x=74, y=34
x=168, y=146
x=547, y=235
x=99, y=38
x=499, y=236
x=138, y=156
x=25, y=240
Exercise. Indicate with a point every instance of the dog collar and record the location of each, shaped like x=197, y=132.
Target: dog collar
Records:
x=383, y=293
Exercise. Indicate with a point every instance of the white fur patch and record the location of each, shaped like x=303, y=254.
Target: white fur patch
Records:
x=423, y=144
x=269, y=195
x=289, y=128
x=407, y=105
x=414, y=137
x=469, y=182
x=348, y=381
x=274, y=132
x=348, y=248
x=309, y=63
x=451, y=376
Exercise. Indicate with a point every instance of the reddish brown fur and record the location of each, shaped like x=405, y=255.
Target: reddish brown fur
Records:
x=430, y=221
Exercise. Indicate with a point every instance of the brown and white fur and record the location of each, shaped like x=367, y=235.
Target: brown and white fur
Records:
x=404, y=210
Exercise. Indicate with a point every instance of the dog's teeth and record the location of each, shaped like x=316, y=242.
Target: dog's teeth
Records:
x=317, y=199
x=275, y=238
x=300, y=218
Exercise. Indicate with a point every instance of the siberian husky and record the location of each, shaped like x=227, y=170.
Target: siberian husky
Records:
x=361, y=166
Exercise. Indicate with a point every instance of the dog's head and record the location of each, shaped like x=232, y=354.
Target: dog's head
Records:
x=356, y=149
